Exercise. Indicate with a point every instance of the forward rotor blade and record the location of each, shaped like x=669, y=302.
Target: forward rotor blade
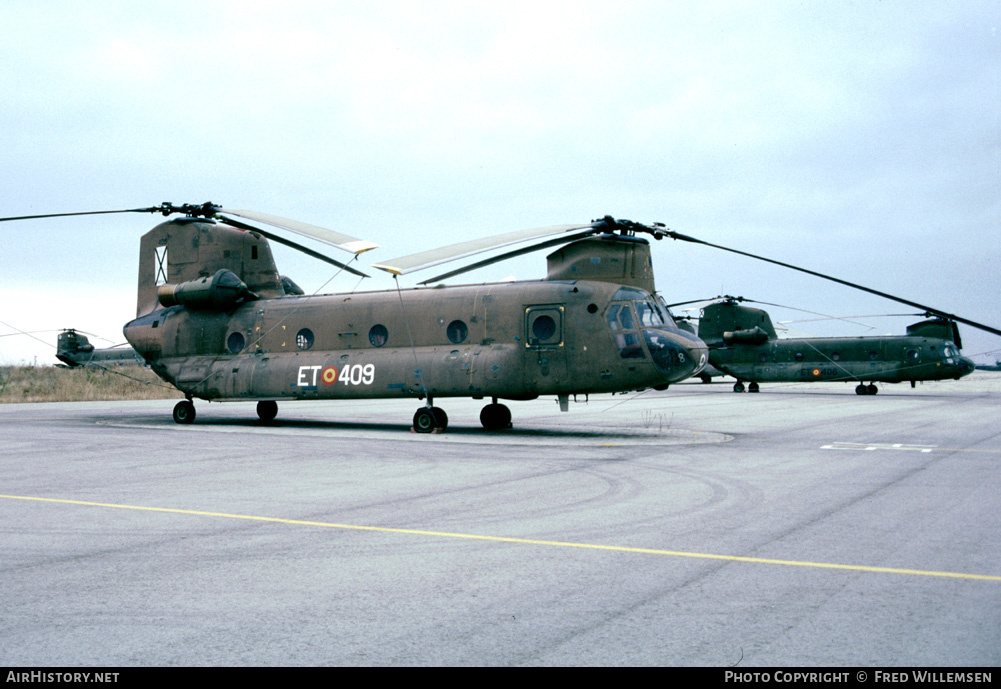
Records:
x=845, y=319
x=299, y=247
x=341, y=241
x=694, y=301
x=929, y=309
x=505, y=256
x=433, y=257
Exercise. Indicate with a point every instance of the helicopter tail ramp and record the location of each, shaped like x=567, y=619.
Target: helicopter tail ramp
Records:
x=188, y=249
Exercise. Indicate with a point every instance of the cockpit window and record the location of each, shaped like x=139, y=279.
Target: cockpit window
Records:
x=620, y=317
x=630, y=294
x=648, y=314
x=620, y=320
x=613, y=316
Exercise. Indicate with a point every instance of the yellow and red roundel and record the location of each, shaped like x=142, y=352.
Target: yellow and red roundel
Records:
x=815, y=372
x=329, y=375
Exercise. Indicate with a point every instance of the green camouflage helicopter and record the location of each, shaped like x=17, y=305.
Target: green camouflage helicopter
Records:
x=74, y=349
x=743, y=343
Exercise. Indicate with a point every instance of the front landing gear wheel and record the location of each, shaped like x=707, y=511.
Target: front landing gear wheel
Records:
x=184, y=412
x=440, y=418
x=267, y=410
x=495, y=417
x=429, y=419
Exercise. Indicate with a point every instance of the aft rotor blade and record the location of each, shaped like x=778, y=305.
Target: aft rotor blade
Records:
x=66, y=215
x=433, y=257
x=299, y=247
x=505, y=256
x=341, y=241
x=929, y=309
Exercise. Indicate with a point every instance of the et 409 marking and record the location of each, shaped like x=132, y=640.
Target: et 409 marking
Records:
x=352, y=374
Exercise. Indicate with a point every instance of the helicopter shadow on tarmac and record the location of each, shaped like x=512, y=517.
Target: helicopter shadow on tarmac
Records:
x=650, y=430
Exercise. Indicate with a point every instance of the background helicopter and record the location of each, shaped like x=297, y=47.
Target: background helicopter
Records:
x=743, y=343
x=215, y=319
x=74, y=349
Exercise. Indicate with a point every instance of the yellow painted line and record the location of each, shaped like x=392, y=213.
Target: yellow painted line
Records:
x=522, y=541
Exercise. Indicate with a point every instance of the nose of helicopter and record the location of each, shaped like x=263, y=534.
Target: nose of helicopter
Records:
x=676, y=353
x=966, y=367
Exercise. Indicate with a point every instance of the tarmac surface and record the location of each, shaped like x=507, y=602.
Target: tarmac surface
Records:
x=803, y=525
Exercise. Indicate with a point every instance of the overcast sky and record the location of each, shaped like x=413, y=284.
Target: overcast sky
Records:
x=860, y=139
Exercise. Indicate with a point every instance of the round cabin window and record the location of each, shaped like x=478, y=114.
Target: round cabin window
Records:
x=304, y=339
x=457, y=332
x=543, y=328
x=378, y=335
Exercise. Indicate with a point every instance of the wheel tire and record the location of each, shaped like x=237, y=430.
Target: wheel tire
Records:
x=184, y=412
x=706, y=378
x=440, y=418
x=861, y=390
x=424, y=421
x=872, y=389
x=495, y=417
x=267, y=410
x=753, y=387
x=738, y=387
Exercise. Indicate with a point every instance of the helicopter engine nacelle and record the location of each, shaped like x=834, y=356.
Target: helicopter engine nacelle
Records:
x=732, y=323
x=221, y=292
x=939, y=328
x=754, y=336
x=607, y=258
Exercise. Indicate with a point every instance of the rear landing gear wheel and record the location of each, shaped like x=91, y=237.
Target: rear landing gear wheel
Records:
x=184, y=412
x=861, y=390
x=427, y=419
x=753, y=387
x=424, y=420
x=267, y=410
x=495, y=417
x=872, y=389
x=738, y=387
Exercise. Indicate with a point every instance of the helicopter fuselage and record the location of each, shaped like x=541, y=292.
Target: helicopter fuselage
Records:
x=889, y=359
x=743, y=343
x=504, y=340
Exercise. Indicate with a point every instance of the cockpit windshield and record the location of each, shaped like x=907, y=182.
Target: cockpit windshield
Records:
x=648, y=313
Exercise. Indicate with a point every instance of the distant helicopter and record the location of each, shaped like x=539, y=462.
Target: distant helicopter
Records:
x=74, y=349
x=742, y=343
x=217, y=321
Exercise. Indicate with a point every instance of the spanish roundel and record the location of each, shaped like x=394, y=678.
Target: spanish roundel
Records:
x=329, y=375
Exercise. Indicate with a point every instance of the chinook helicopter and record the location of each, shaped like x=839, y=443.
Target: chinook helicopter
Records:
x=742, y=343
x=74, y=349
x=216, y=320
